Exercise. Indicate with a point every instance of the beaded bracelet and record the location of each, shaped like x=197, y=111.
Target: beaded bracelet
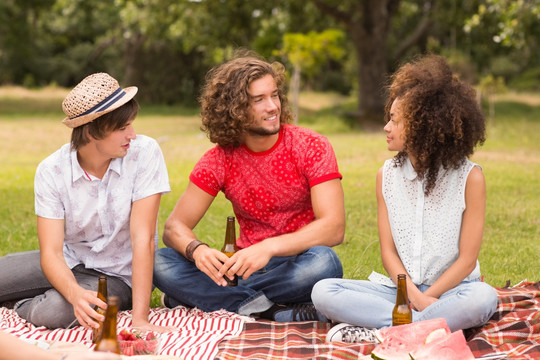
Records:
x=190, y=249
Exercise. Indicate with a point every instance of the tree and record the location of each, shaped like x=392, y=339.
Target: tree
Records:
x=307, y=53
x=17, y=31
x=489, y=87
x=368, y=24
x=509, y=31
x=180, y=40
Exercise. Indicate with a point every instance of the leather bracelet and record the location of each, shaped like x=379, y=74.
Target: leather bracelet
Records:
x=190, y=249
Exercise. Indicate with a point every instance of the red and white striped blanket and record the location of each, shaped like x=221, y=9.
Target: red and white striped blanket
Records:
x=198, y=334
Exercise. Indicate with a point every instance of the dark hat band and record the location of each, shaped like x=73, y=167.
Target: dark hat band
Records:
x=105, y=103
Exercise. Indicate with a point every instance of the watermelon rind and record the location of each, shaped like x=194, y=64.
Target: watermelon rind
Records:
x=436, y=335
x=393, y=348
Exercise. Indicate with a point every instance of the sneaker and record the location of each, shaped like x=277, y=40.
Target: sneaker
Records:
x=350, y=334
x=293, y=312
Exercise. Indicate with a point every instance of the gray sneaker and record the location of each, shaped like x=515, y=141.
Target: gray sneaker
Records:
x=350, y=334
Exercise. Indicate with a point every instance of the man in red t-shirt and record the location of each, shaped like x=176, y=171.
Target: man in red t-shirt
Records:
x=285, y=188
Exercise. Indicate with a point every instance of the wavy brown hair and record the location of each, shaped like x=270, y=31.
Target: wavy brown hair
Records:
x=443, y=122
x=225, y=99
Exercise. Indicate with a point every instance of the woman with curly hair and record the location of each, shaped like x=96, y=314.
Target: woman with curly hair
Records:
x=285, y=189
x=431, y=205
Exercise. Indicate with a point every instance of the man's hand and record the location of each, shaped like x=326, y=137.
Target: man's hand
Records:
x=246, y=261
x=83, y=302
x=209, y=261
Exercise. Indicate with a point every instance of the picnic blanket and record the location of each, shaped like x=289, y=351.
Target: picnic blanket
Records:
x=514, y=329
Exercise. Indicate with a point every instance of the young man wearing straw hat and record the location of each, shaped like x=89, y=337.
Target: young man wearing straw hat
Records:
x=285, y=188
x=96, y=201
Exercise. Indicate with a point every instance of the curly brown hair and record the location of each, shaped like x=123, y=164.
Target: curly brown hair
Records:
x=443, y=122
x=225, y=99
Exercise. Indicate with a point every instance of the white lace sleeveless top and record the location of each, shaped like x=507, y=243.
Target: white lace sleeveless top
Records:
x=426, y=229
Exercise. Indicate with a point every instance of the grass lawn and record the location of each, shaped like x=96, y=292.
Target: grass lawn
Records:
x=30, y=130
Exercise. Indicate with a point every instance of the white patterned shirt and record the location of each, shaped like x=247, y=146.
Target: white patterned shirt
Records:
x=96, y=212
x=425, y=229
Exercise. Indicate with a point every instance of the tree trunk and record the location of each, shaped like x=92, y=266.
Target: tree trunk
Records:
x=132, y=56
x=369, y=34
x=367, y=23
x=372, y=71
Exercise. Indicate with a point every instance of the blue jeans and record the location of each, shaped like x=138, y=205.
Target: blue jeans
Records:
x=21, y=278
x=287, y=279
x=364, y=303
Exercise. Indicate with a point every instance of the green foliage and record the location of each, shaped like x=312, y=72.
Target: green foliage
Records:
x=514, y=21
x=491, y=85
x=505, y=28
x=310, y=51
x=529, y=80
x=166, y=47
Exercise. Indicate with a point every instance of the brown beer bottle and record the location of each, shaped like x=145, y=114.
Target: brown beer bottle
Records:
x=107, y=339
x=102, y=295
x=229, y=247
x=402, y=313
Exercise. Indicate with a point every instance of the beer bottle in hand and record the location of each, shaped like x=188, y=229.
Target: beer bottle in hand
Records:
x=107, y=340
x=229, y=247
x=402, y=313
x=102, y=295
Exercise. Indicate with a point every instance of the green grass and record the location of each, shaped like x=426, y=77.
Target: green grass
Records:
x=30, y=130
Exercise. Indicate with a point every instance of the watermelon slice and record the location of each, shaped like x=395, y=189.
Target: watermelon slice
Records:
x=450, y=347
x=393, y=348
x=398, y=341
x=415, y=332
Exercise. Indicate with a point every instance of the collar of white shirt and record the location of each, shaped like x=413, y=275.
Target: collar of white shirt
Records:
x=78, y=171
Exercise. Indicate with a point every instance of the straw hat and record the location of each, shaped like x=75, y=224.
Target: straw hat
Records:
x=96, y=95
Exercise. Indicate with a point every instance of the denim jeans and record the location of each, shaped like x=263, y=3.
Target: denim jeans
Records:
x=287, y=279
x=364, y=303
x=21, y=278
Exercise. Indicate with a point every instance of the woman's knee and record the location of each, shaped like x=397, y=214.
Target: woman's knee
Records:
x=322, y=291
x=486, y=298
x=480, y=300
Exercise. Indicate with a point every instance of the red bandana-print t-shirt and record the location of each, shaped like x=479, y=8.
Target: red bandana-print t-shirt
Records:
x=270, y=190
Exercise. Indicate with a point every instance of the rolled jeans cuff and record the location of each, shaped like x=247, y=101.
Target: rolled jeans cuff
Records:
x=256, y=304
